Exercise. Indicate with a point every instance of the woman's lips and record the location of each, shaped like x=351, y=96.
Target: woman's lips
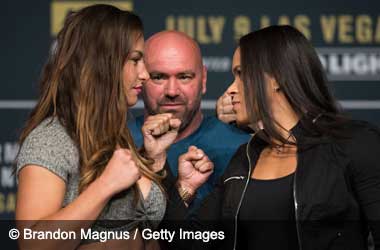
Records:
x=138, y=89
x=235, y=106
x=235, y=103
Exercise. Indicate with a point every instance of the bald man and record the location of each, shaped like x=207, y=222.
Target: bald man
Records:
x=176, y=85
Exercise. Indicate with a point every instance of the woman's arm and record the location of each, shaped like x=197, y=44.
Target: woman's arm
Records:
x=206, y=218
x=365, y=152
x=41, y=193
x=194, y=168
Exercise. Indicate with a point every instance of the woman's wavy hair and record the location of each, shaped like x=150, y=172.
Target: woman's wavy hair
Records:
x=284, y=53
x=82, y=86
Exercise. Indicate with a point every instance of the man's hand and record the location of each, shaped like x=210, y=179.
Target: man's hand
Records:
x=224, y=109
x=194, y=168
x=159, y=132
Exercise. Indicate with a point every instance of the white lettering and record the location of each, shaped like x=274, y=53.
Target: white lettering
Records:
x=27, y=234
x=7, y=179
x=217, y=64
x=163, y=234
x=58, y=234
x=103, y=236
x=10, y=152
x=204, y=236
x=351, y=65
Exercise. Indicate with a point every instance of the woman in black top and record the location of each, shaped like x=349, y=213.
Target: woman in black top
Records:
x=309, y=178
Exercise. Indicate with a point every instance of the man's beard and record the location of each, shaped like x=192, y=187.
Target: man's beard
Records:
x=187, y=117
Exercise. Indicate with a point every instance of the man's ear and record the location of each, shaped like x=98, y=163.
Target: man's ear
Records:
x=204, y=80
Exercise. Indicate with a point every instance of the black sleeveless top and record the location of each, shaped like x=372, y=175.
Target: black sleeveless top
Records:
x=267, y=215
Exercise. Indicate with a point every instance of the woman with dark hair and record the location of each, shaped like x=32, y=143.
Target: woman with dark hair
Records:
x=309, y=178
x=77, y=164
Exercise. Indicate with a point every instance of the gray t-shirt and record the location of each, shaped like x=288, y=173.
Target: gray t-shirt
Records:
x=50, y=147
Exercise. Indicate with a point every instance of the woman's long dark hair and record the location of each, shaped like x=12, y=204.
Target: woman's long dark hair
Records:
x=282, y=52
x=82, y=86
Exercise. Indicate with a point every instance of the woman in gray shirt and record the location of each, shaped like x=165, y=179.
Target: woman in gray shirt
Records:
x=77, y=162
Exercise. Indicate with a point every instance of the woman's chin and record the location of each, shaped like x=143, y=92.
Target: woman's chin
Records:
x=130, y=104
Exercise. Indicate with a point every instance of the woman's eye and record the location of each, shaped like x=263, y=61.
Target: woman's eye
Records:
x=135, y=60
